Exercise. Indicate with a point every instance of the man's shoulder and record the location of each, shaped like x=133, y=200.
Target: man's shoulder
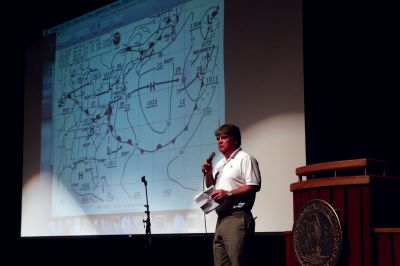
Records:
x=245, y=155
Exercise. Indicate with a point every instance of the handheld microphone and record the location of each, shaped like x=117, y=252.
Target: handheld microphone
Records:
x=209, y=160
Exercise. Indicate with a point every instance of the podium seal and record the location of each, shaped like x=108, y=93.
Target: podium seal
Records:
x=317, y=234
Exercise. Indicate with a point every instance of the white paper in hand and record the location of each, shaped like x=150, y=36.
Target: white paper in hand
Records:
x=204, y=200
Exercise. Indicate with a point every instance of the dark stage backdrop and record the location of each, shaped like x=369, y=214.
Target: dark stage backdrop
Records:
x=351, y=81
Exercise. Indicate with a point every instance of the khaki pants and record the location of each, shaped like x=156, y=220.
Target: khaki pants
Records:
x=232, y=239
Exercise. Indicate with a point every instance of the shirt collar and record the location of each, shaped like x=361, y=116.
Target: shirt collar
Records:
x=233, y=154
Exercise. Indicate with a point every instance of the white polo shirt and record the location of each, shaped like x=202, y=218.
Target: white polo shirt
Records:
x=238, y=170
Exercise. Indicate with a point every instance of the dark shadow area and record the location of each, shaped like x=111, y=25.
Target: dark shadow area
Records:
x=351, y=84
x=165, y=250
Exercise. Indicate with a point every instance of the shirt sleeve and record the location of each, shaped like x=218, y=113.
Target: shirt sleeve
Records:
x=251, y=171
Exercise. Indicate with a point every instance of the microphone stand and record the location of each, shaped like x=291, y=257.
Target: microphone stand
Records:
x=147, y=221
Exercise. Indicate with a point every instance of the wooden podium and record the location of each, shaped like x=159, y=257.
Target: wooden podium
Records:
x=366, y=198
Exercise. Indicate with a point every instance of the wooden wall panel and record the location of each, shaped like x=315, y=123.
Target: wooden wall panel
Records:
x=366, y=226
x=396, y=249
x=290, y=258
x=338, y=202
x=314, y=194
x=353, y=226
x=299, y=199
x=384, y=250
x=325, y=194
x=386, y=246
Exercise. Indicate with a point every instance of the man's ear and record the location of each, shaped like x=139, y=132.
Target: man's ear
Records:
x=237, y=144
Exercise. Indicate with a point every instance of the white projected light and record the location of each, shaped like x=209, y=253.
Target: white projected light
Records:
x=135, y=98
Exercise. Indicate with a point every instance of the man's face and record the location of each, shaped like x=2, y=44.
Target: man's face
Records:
x=226, y=144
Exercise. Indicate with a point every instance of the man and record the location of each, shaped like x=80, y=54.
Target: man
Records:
x=236, y=178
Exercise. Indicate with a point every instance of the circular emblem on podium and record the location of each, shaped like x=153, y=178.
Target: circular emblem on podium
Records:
x=317, y=234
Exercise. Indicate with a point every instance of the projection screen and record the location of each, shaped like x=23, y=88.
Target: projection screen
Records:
x=131, y=96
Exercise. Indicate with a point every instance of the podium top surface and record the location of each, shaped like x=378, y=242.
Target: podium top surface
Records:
x=341, y=165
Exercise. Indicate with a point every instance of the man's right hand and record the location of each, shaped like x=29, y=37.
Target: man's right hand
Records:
x=206, y=168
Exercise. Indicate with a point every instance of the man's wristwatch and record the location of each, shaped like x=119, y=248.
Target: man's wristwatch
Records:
x=229, y=194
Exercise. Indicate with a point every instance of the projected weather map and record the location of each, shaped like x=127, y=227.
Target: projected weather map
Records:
x=134, y=100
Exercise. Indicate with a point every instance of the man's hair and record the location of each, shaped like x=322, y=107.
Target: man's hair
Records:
x=232, y=131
